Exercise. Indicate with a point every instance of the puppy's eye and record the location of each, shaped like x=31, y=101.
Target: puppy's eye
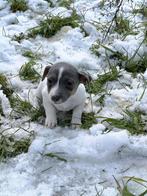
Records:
x=50, y=81
x=69, y=85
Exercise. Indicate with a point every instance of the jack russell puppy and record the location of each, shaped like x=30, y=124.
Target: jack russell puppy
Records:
x=62, y=89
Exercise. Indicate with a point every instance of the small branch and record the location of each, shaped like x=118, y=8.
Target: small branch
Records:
x=113, y=19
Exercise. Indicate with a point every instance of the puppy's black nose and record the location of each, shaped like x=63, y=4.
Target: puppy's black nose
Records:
x=55, y=98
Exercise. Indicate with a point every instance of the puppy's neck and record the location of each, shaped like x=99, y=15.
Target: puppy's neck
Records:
x=76, y=99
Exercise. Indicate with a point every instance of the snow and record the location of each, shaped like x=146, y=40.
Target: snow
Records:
x=90, y=160
x=97, y=129
x=10, y=60
x=6, y=49
x=5, y=104
x=92, y=156
x=39, y=6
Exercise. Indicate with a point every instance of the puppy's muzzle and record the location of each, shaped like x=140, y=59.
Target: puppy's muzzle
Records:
x=56, y=98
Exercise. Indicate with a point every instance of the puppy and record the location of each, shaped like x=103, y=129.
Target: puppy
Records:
x=62, y=89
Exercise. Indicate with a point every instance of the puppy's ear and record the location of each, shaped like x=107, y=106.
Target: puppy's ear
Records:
x=46, y=70
x=84, y=78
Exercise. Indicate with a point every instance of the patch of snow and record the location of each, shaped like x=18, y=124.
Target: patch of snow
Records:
x=90, y=160
x=5, y=104
x=97, y=129
x=39, y=6
x=129, y=46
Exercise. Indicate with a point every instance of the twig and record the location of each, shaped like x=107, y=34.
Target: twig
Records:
x=113, y=19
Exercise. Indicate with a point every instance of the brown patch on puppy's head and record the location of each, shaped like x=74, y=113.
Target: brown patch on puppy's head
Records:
x=84, y=78
x=45, y=73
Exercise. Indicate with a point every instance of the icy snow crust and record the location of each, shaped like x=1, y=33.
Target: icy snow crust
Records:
x=93, y=158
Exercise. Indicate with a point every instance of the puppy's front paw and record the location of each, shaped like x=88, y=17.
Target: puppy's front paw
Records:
x=50, y=122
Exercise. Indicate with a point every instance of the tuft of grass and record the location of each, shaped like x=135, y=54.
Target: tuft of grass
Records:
x=18, y=5
x=142, y=10
x=114, y=54
x=49, y=27
x=55, y=155
x=24, y=108
x=52, y=24
x=5, y=86
x=101, y=3
x=132, y=121
x=138, y=66
x=122, y=25
x=130, y=64
x=31, y=55
x=10, y=147
x=65, y=3
x=124, y=188
x=20, y=106
x=88, y=119
x=96, y=86
x=101, y=99
x=28, y=72
x=94, y=49
x=119, y=56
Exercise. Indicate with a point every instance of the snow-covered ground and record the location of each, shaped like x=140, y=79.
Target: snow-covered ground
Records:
x=93, y=158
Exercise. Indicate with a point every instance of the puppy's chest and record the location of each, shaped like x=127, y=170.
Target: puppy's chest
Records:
x=78, y=98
